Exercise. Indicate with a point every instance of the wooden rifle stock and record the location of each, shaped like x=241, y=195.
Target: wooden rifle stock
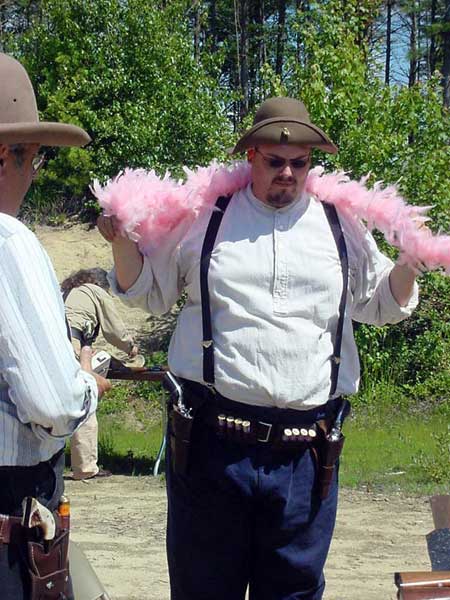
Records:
x=422, y=585
x=136, y=373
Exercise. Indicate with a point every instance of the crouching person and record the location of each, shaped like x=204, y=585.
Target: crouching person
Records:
x=45, y=394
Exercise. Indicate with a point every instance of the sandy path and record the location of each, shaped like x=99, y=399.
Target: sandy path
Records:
x=120, y=522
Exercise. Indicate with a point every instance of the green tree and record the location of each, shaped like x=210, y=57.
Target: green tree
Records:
x=126, y=72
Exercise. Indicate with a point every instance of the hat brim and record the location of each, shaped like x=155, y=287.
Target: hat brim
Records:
x=43, y=133
x=271, y=131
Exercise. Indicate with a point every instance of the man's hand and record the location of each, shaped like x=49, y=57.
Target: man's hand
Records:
x=134, y=351
x=127, y=258
x=109, y=228
x=103, y=385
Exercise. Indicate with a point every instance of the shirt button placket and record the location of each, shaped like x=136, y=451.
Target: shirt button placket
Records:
x=280, y=280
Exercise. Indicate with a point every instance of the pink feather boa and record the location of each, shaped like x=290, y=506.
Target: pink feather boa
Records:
x=148, y=207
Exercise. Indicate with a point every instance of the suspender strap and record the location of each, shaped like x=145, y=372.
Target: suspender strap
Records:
x=208, y=245
x=336, y=229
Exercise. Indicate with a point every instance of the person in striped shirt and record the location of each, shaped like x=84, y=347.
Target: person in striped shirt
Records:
x=45, y=393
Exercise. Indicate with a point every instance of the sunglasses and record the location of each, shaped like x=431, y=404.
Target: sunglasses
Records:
x=38, y=162
x=277, y=162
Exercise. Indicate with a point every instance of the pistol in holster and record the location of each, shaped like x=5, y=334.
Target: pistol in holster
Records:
x=47, y=560
x=330, y=448
x=180, y=422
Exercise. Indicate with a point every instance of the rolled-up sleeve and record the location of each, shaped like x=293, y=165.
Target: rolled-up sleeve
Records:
x=373, y=301
x=49, y=389
x=160, y=283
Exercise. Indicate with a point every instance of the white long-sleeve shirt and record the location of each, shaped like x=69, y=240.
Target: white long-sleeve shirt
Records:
x=44, y=394
x=275, y=283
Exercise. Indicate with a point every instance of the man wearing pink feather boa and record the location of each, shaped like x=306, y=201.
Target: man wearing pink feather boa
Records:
x=262, y=356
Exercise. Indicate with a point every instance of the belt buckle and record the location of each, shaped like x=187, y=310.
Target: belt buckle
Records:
x=269, y=430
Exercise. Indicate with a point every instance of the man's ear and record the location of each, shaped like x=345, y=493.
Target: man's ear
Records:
x=250, y=154
x=4, y=152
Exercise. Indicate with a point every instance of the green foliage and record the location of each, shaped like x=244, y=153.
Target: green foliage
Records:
x=126, y=73
x=410, y=359
x=435, y=467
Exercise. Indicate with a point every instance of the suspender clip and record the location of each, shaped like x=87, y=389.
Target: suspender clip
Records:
x=207, y=343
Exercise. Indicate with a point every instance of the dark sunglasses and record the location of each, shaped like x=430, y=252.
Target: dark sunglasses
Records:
x=277, y=162
x=38, y=162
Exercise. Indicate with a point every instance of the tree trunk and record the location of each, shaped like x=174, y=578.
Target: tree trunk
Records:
x=241, y=33
x=433, y=51
x=280, y=37
x=446, y=54
x=243, y=22
x=260, y=19
x=387, y=69
x=412, y=48
x=258, y=49
x=213, y=25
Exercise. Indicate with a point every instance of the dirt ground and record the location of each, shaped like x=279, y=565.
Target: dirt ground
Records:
x=119, y=522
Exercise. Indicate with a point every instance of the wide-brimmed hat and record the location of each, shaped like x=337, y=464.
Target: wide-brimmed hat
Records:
x=19, y=119
x=284, y=121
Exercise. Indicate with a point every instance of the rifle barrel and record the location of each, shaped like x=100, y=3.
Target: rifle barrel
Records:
x=136, y=374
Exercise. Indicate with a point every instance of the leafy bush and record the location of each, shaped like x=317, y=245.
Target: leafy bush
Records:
x=435, y=468
x=125, y=72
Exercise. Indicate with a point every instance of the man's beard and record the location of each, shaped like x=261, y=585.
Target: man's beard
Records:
x=280, y=199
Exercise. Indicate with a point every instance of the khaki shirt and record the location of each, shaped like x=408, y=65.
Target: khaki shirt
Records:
x=91, y=303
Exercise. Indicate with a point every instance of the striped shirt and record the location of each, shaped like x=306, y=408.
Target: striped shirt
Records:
x=44, y=394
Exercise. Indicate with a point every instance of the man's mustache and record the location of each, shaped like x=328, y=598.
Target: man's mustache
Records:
x=290, y=180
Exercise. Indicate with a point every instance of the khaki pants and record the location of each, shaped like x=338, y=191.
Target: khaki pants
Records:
x=84, y=442
x=83, y=449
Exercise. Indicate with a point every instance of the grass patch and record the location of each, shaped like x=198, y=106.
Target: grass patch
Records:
x=124, y=451
x=129, y=452
x=405, y=453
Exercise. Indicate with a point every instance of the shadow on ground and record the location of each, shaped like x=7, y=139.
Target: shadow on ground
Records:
x=128, y=464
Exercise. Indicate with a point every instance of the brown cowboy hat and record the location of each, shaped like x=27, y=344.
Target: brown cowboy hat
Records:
x=19, y=119
x=284, y=121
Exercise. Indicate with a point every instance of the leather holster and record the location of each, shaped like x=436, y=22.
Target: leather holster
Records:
x=49, y=568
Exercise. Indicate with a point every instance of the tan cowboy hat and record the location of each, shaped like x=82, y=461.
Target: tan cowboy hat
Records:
x=284, y=121
x=19, y=119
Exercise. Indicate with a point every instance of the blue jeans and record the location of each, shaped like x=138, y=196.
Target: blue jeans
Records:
x=247, y=515
x=45, y=483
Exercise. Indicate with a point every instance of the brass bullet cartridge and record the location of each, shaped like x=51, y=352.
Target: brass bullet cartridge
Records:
x=230, y=422
x=222, y=420
x=287, y=435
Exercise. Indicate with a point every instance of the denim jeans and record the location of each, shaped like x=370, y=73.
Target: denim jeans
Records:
x=247, y=516
x=45, y=483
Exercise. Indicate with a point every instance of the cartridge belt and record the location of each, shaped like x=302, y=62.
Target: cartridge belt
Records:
x=253, y=431
x=7, y=525
x=251, y=424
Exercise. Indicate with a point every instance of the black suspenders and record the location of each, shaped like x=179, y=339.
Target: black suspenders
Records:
x=336, y=229
x=207, y=248
x=208, y=245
